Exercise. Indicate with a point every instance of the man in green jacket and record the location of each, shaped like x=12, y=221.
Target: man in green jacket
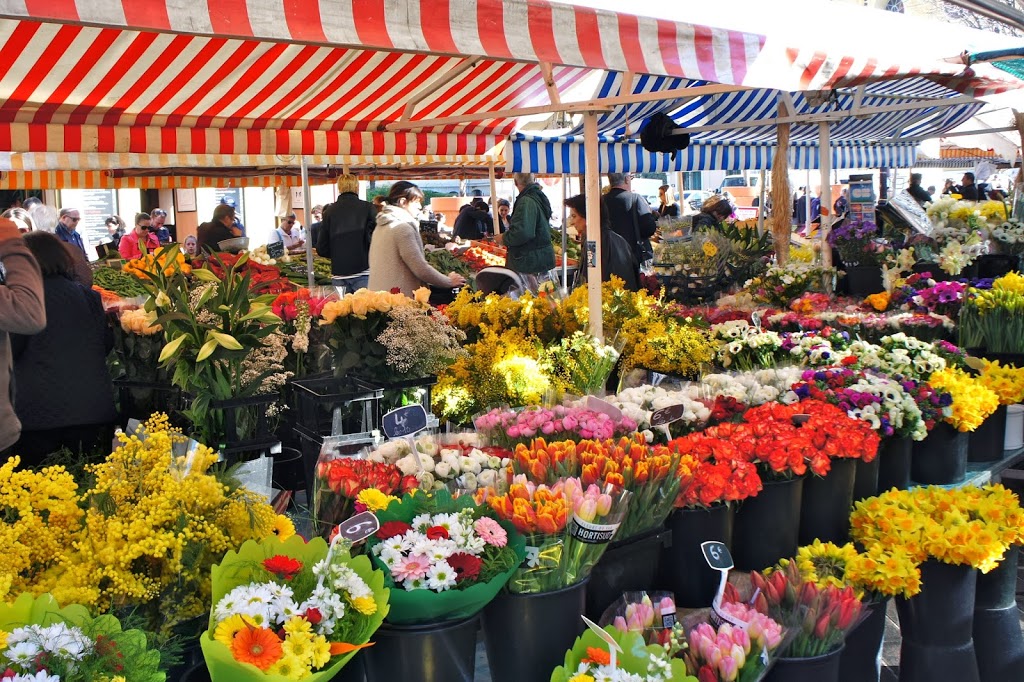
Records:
x=528, y=239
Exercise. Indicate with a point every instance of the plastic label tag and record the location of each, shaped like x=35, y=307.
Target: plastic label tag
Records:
x=404, y=421
x=613, y=647
x=604, y=407
x=667, y=415
x=592, y=533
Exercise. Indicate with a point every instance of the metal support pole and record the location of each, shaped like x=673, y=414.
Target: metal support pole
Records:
x=565, y=238
x=825, y=166
x=307, y=203
x=807, y=204
x=760, y=205
x=496, y=219
x=592, y=244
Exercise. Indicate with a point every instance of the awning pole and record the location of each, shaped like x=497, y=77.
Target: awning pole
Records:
x=761, y=206
x=307, y=203
x=496, y=220
x=565, y=228
x=807, y=204
x=592, y=250
x=825, y=166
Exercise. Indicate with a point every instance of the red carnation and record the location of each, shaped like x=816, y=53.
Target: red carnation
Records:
x=284, y=567
x=437, y=533
x=391, y=529
x=466, y=566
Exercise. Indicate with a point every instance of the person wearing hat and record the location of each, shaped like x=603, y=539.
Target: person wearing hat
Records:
x=713, y=211
x=669, y=206
x=915, y=190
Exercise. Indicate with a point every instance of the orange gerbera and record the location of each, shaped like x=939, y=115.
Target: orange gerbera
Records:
x=598, y=656
x=258, y=646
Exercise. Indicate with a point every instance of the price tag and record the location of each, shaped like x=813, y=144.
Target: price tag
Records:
x=667, y=415
x=613, y=647
x=801, y=419
x=604, y=407
x=590, y=251
x=755, y=319
x=717, y=555
x=275, y=249
x=404, y=421
x=359, y=527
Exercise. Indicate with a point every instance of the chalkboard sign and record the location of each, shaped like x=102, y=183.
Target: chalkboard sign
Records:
x=275, y=249
x=404, y=421
x=717, y=555
x=359, y=527
x=667, y=415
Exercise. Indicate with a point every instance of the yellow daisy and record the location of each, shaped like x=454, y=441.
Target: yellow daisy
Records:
x=283, y=527
x=229, y=627
x=289, y=667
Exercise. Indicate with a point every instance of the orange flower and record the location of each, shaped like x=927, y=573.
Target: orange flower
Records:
x=598, y=656
x=258, y=646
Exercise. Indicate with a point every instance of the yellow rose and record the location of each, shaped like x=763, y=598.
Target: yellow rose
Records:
x=382, y=302
x=360, y=305
x=422, y=295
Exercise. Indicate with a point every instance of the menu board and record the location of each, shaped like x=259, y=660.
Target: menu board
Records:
x=95, y=206
x=862, y=198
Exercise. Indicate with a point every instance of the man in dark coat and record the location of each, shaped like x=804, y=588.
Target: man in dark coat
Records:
x=528, y=240
x=967, y=190
x=345, y=234
x=915, y=190
x=630, y=216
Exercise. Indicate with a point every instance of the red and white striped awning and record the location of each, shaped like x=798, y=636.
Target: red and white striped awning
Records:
x=326, y=77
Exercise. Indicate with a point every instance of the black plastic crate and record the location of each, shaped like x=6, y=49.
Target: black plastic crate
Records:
x=259, y=436
x=326, y=405
x=401, y=393
x=140, y=399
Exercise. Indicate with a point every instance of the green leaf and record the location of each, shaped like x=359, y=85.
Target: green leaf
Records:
x=225, y=340
x=171, y=349
x=204, y=275
x=207, y=350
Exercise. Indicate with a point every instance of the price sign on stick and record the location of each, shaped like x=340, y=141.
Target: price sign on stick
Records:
x=404, y=421
x=275, y=249
x=718, y=557
x=359, y=527
x=667, y=415
x=613, y=647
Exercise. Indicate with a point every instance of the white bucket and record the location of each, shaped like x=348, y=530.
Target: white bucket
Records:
x=1014, y=427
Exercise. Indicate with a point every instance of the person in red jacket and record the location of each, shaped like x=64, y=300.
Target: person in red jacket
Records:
x=131, y=245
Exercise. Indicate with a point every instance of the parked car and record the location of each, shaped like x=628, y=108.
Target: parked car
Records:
x=696, y=197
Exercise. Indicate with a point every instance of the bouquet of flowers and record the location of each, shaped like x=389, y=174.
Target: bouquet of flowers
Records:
x=460, y=463
x=780, y=284
x=858, y=243
x=821, y=616
x=640, y=402
x=712, y=471
x=1010, y=237
x=45, y=643
x=1006, y=381
x=745, y=347
x=970, y=525
x=449, y=556
x=994, y=319
x=297, y=311
x=649, y=473
x=730, y=653
x=346, y=485
x=567, y=529
x=638, y=612
x=509, y=428
x=751, y=388
x=874, y=574
x=973, y=402
x=291, y=610
x=583, y=363
x=390, y=337
x=943, y=298
x=590, y=659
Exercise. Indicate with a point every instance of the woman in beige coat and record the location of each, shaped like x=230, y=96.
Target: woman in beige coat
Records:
x=396, y=250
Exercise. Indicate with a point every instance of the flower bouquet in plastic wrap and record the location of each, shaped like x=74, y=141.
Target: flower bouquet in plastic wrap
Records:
x=451, y=461
x=648, y=472
x=567, y=529
x=291, y=610
x=511, y=427
x=45, y=643
x=344, y=486
x=652, y=615
x=619, y=656
x=445, y=556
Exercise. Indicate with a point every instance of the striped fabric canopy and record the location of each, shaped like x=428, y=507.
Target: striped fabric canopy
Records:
x=566, y=155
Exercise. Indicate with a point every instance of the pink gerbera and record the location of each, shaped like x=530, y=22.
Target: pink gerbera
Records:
x=412, y=567
x=491, y=531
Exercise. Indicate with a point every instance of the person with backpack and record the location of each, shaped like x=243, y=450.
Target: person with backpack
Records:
x=631, y=216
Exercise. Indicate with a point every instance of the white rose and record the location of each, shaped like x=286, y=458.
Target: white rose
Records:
x=495, y=462
x=426, y=480
x=469, y=465
x=488, y=478
x=469, y=481
x=407, y=465
x=442, y=470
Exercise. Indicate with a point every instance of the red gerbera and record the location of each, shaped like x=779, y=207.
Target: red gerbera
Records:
x=393, y=528
x=284, y=567
x=466, y=566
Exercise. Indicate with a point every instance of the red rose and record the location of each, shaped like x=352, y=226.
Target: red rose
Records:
x=284, y=567
x=313, y=616
x=391, y=529
x=466, y=566
x=437, y=533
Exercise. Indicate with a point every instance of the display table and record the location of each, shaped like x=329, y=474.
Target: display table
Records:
x=982, y=473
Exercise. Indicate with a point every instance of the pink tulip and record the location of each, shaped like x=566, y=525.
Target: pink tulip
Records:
x=620, y=624
x=728, y=669
x=587, y=509
x=738, y=655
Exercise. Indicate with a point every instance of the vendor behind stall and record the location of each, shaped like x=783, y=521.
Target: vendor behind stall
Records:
x=713, y=212
x=220, y=228
x=616, y=254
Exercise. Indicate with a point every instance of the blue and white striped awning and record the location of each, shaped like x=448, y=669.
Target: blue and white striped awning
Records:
x=536, y=154
x=858, y=141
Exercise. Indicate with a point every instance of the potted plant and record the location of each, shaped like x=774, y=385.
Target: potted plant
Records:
x=863, y=252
